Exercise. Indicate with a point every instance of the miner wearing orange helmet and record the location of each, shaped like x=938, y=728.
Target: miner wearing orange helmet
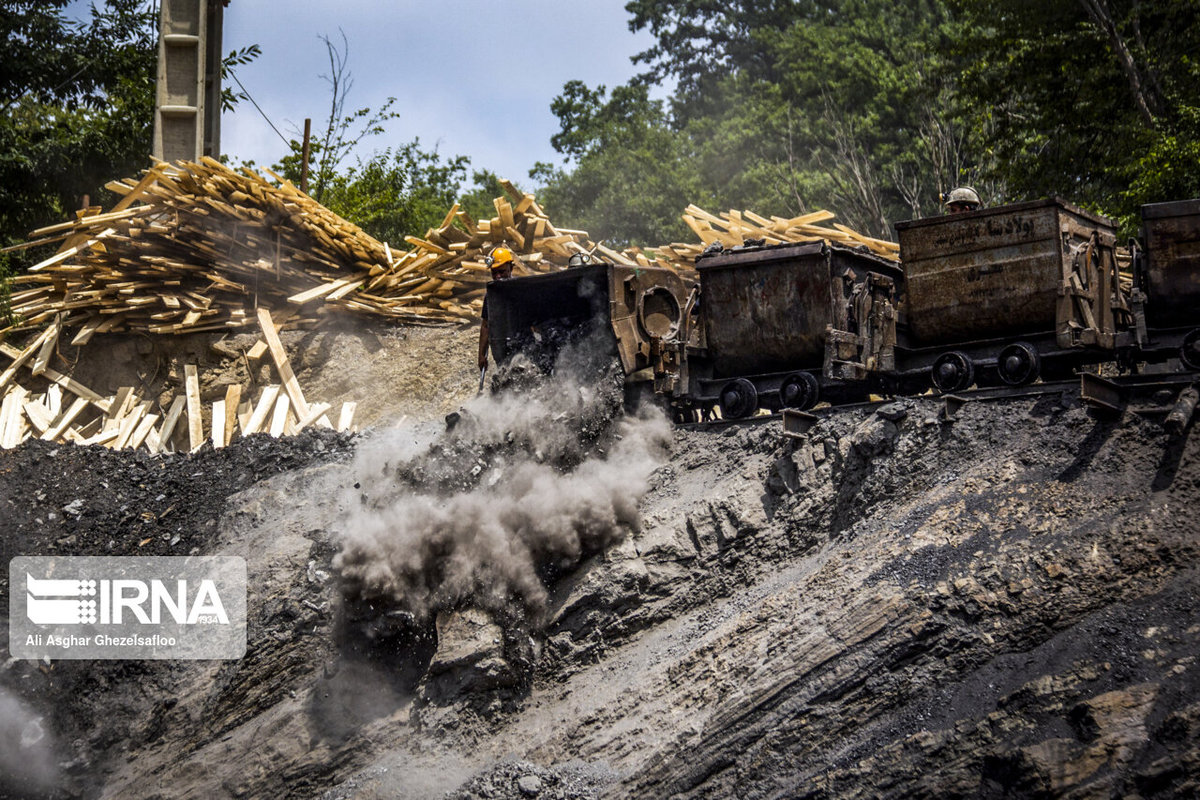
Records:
x=501, y=263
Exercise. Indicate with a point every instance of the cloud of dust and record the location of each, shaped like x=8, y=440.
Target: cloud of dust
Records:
x=27, y=763
x=529, y=481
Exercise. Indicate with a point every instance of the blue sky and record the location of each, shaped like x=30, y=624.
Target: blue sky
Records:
x=472, y=78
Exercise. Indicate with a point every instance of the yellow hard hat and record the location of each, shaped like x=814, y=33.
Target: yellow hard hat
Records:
x=499, y=256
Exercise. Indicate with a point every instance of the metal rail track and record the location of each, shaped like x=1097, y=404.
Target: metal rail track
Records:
x=1104, y=395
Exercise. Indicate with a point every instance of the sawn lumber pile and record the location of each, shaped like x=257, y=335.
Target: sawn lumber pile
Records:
x=67, y=411
x=450, y=262
x=195, y=247
x=736, y=228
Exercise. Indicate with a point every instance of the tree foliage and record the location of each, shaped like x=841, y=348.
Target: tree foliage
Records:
x=344, y=130
x=1095, y=100
x=78, y=104
x=778, y=106
x=632, y=175
x=874, y=108
x=394, y=193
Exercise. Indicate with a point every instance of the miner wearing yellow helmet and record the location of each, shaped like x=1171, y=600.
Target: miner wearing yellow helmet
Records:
x=501, y=263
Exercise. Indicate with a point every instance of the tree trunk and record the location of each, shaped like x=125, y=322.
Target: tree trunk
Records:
x=1098, y=11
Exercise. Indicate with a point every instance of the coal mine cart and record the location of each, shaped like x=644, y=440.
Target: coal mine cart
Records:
x=1166, y=295
x=645, y=316
x=788, y=325
x=1005, y=295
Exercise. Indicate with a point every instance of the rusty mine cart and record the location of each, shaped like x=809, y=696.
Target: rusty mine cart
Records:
x=643, y=315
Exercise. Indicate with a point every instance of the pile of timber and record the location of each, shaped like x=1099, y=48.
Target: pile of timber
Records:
x=195, y=247
x=735, y=228
x=192, y=248
x=67, y=411
x=449, y=262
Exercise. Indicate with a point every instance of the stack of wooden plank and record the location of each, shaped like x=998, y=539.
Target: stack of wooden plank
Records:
x=446, y=270
x=735, y=228
x=67, y=411
x=195, y=247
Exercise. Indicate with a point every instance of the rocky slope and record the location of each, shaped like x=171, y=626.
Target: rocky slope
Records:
x=1005, y=605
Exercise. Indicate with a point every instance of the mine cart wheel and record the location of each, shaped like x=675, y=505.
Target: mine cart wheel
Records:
x=1018, y=364
x=1189, y=351
x=799, y=390
x=952, y=372
x=739, y=399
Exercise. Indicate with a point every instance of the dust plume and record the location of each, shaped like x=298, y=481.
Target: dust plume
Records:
x=529, y=482
x=27, y=763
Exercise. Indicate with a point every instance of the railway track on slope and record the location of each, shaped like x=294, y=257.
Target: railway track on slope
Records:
x=1105, y=395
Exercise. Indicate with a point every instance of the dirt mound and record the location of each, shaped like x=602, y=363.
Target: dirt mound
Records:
x=389, y=372
x=1005, y=605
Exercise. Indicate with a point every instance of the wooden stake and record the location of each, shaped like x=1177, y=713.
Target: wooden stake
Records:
x=233, y=398
x=280, y=417
x=172, y=419
x=346, y=418
x=218, y=424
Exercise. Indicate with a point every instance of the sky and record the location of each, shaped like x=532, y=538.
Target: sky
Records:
x=470, y=77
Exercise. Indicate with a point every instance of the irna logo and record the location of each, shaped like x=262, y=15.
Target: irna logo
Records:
x=77, y=602
x=160, y=607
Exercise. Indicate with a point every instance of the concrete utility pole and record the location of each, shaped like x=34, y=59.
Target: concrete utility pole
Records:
x=187, y=107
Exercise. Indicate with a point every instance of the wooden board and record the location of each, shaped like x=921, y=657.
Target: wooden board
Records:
x=195, y=421
x=218, y=423
x=47, y=349
x=266, y=402
x=346, y=418
x=172, y=419
x=233, y=398
x=279, y=416
x=282, y=365
x=22, y=356
x=60, y=425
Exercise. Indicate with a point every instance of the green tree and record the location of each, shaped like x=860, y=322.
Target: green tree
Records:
x=78, y=105
x=344, y=131
x=632, y=175
x=844, y=104
x=397, y=192
x=1095, y=100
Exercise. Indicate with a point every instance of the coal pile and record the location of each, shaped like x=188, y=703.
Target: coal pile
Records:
x=522, y=780
x=95, y=501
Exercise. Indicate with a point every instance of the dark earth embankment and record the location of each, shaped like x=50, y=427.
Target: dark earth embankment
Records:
x=1006, y=605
